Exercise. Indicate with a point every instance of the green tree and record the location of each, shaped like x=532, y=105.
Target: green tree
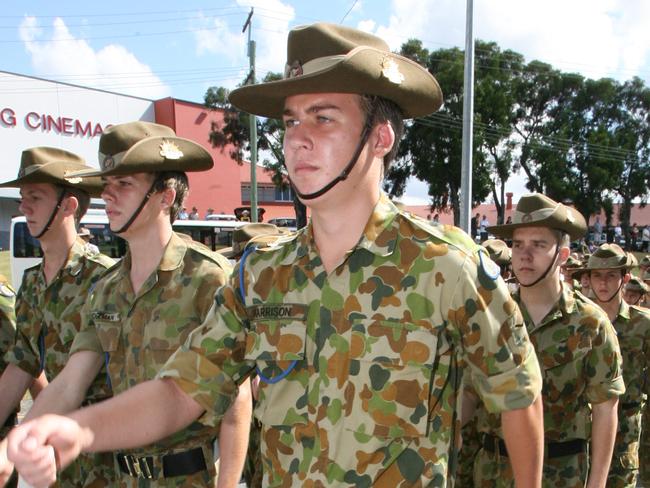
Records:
x=432, y=146
x=234, y=133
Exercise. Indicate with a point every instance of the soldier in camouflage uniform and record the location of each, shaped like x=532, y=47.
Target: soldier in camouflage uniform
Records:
x=608, y=271
x=146, y=306
x=52, y=293
x=7, y=336
x=360, y=326
x=634, y=292
x=576, y=347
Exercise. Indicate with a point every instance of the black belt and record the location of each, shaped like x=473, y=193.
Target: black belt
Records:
x=177, y=464
x=11, y=421
x=553, y=449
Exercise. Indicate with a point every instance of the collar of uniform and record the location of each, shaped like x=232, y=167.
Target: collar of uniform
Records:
x=377, y=237
x=562, y=308
x=174, y=253
x=623, y=311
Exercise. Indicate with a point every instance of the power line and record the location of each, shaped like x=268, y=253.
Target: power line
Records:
x=349, y=10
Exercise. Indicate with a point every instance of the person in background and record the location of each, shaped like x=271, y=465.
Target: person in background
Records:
x=183, y=215
x=194, y=214
x=634, y=292
x=608, y=269
x=483, y=228
x=568, y=332
x=51, y=296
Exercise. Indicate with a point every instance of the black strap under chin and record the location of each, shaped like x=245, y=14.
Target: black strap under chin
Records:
x=146, y=198
x=53, y=214
x=550, y=266
x=348, y=168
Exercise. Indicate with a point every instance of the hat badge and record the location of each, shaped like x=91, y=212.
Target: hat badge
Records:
x=526, y=218
x=390, y=70
x=293, y=70
x=108, y=163
x=169, y=150
x=73, y=180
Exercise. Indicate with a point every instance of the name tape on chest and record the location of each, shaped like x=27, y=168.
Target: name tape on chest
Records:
x=275, y=311
x=106, y=316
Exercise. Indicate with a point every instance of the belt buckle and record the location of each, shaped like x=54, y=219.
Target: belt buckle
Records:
x=138, y=467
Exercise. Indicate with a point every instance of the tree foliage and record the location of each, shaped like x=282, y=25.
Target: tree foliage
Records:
x=579, y=140
x=233, y=134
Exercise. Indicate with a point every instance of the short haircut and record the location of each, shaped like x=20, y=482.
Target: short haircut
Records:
x=562, y=238
x=384, y=110
x=176, y=180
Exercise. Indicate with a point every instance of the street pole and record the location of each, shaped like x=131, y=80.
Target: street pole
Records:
x=468, y=123
x=252, y=118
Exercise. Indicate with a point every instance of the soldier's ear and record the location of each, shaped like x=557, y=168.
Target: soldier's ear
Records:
x=69, y=205
x=385, y=139
x=168, y=197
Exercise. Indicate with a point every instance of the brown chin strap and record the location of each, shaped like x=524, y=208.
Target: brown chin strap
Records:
x=146, y=198
x=53, y=214
x=348, y=168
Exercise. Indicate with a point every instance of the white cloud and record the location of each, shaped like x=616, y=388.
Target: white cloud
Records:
x=593, y=37
x=72, y=60
x=270, y=27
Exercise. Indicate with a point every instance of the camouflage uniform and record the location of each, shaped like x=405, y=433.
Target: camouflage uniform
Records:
x=360, y=368
x=581, y=364
x=136, y=334
x=7, y=336
x=48, y=318
x=632, y=325
x=644, y=449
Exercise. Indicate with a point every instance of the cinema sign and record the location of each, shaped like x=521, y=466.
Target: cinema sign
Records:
x=42, y=122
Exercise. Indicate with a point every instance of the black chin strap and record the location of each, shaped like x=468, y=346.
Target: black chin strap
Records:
x=550, y=266
x=348, y=168
x=146, y=198
x=52, y=215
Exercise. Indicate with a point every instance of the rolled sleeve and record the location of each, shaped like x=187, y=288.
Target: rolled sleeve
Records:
x=495, y=345
x=210, y=365
x=605, y=366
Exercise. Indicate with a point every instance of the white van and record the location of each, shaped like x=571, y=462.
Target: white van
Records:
x=25, y=251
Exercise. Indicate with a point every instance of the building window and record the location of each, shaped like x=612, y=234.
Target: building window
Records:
x=267, y=193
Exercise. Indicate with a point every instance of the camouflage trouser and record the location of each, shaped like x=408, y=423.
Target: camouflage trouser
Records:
x=644, y=451
x=201, y=479
x=625, y=460
x=493, y=470
x=467, y=456
x=253, y=465
x=94, y=470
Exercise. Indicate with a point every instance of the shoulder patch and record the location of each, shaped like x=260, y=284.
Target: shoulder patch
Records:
x=449, y=234
x=205, y=251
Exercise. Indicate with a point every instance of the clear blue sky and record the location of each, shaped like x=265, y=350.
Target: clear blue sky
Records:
x=161, y=48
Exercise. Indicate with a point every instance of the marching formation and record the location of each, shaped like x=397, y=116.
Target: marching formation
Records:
x=369, y=348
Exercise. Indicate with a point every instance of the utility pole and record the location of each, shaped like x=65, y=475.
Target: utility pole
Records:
x=252, y=118
x=468, y=123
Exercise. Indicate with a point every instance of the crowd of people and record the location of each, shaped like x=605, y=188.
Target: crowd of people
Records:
x=379, y=349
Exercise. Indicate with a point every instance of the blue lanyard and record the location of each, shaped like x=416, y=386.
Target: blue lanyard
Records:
x=242, y=292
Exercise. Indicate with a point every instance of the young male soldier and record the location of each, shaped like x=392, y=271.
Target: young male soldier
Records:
x=634, y=292
x=52, y=293
x=608, y=272
x=7, y=336
x=357, y=325
x=146, y=306
x=576, y=347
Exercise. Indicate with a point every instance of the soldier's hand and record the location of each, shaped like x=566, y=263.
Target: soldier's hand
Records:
x=39, y=447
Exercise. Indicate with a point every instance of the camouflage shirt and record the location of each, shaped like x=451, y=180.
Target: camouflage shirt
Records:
x=360, y=367
x=7, y=320
x=7, y=334
x=632, y=326
x=581, y=364
x=48, y=317
x=136, y=333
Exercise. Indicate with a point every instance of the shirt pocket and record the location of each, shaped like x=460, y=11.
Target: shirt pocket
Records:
x=565, y=373
x=278, y=349
x=160, y=339
x=390, y=379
